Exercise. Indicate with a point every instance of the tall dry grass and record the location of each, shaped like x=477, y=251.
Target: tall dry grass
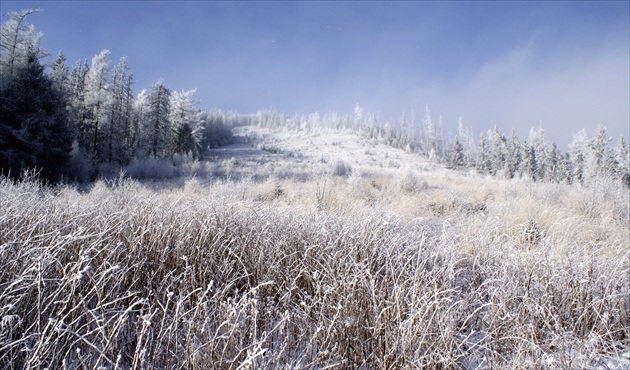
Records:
x=216, y=276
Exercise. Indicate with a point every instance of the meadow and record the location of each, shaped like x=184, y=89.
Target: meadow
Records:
x=313, y=249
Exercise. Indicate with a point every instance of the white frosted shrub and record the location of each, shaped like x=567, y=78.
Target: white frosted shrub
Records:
x=341, y=168
x=152, y=168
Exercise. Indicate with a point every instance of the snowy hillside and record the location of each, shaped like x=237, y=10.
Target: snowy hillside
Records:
x=314, y=249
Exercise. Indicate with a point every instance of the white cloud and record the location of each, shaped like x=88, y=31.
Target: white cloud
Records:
x=565, y=92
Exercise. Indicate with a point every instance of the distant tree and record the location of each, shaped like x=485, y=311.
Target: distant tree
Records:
x=565, y=169
x=184, y=117
x=217, y=129
x=554, y=173
x=467, y=140
x=458, y=159
x=484, y=164
x=499, y=155
x=157, y=127
x=538, y=142
x=531, y=164
x=439, y=141
x=358, y=116
x=599, y=159
x=428, y=137
x=578, y=150
x=513, y=156
x=622, y=158
x=403, y=140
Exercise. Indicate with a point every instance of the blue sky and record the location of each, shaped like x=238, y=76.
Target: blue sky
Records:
x=505, y=64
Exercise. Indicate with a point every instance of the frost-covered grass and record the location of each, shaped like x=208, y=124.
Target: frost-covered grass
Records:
x=280, y=263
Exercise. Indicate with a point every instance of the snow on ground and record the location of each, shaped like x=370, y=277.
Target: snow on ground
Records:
x=261, y=154
x=287, y=153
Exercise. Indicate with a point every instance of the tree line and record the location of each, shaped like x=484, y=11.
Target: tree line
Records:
x=70, y=123
x=491, y=153
x=67, y=122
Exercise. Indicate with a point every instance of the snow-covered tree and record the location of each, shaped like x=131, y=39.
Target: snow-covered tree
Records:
x=78, y=111
x=117, y=130
x=19, y=42
x=184, y=118
x=59, y=73
x=565, y=169
x=136, y=131
x=358, y=116
x=622, y=158
x=458, y=159
x=538, y=142
x=578, y=150
x=483, y=164
x=599, y=161
x=403, y=140
x=427, y=132
x=530, y=162
x=513, y=156
x=554, y=170
x=157, y=127
x=217, y=128
x=467, y=140
x=499, y=155
x=97, y=100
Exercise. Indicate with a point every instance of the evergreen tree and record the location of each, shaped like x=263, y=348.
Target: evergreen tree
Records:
x=578, y=149
x=498, y=158
x=484, y=164
x=33, y=127
x=157, y=129
x=428, y=132
x=59, y=74
x=530, y=163
x=622, y=158
x=565, y=169
x=600, y=159
x=538, y=142
x=513, y=157
x=467, y=140
x=403, y=140
x=184, y=118
x=554, y=170
x=458, y=154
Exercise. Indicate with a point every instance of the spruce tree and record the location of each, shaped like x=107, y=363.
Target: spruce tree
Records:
x=458, y=159
x=599, y=163
x=622, y=158
x=33, y=128
x=157, y=127
x=184, y=118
